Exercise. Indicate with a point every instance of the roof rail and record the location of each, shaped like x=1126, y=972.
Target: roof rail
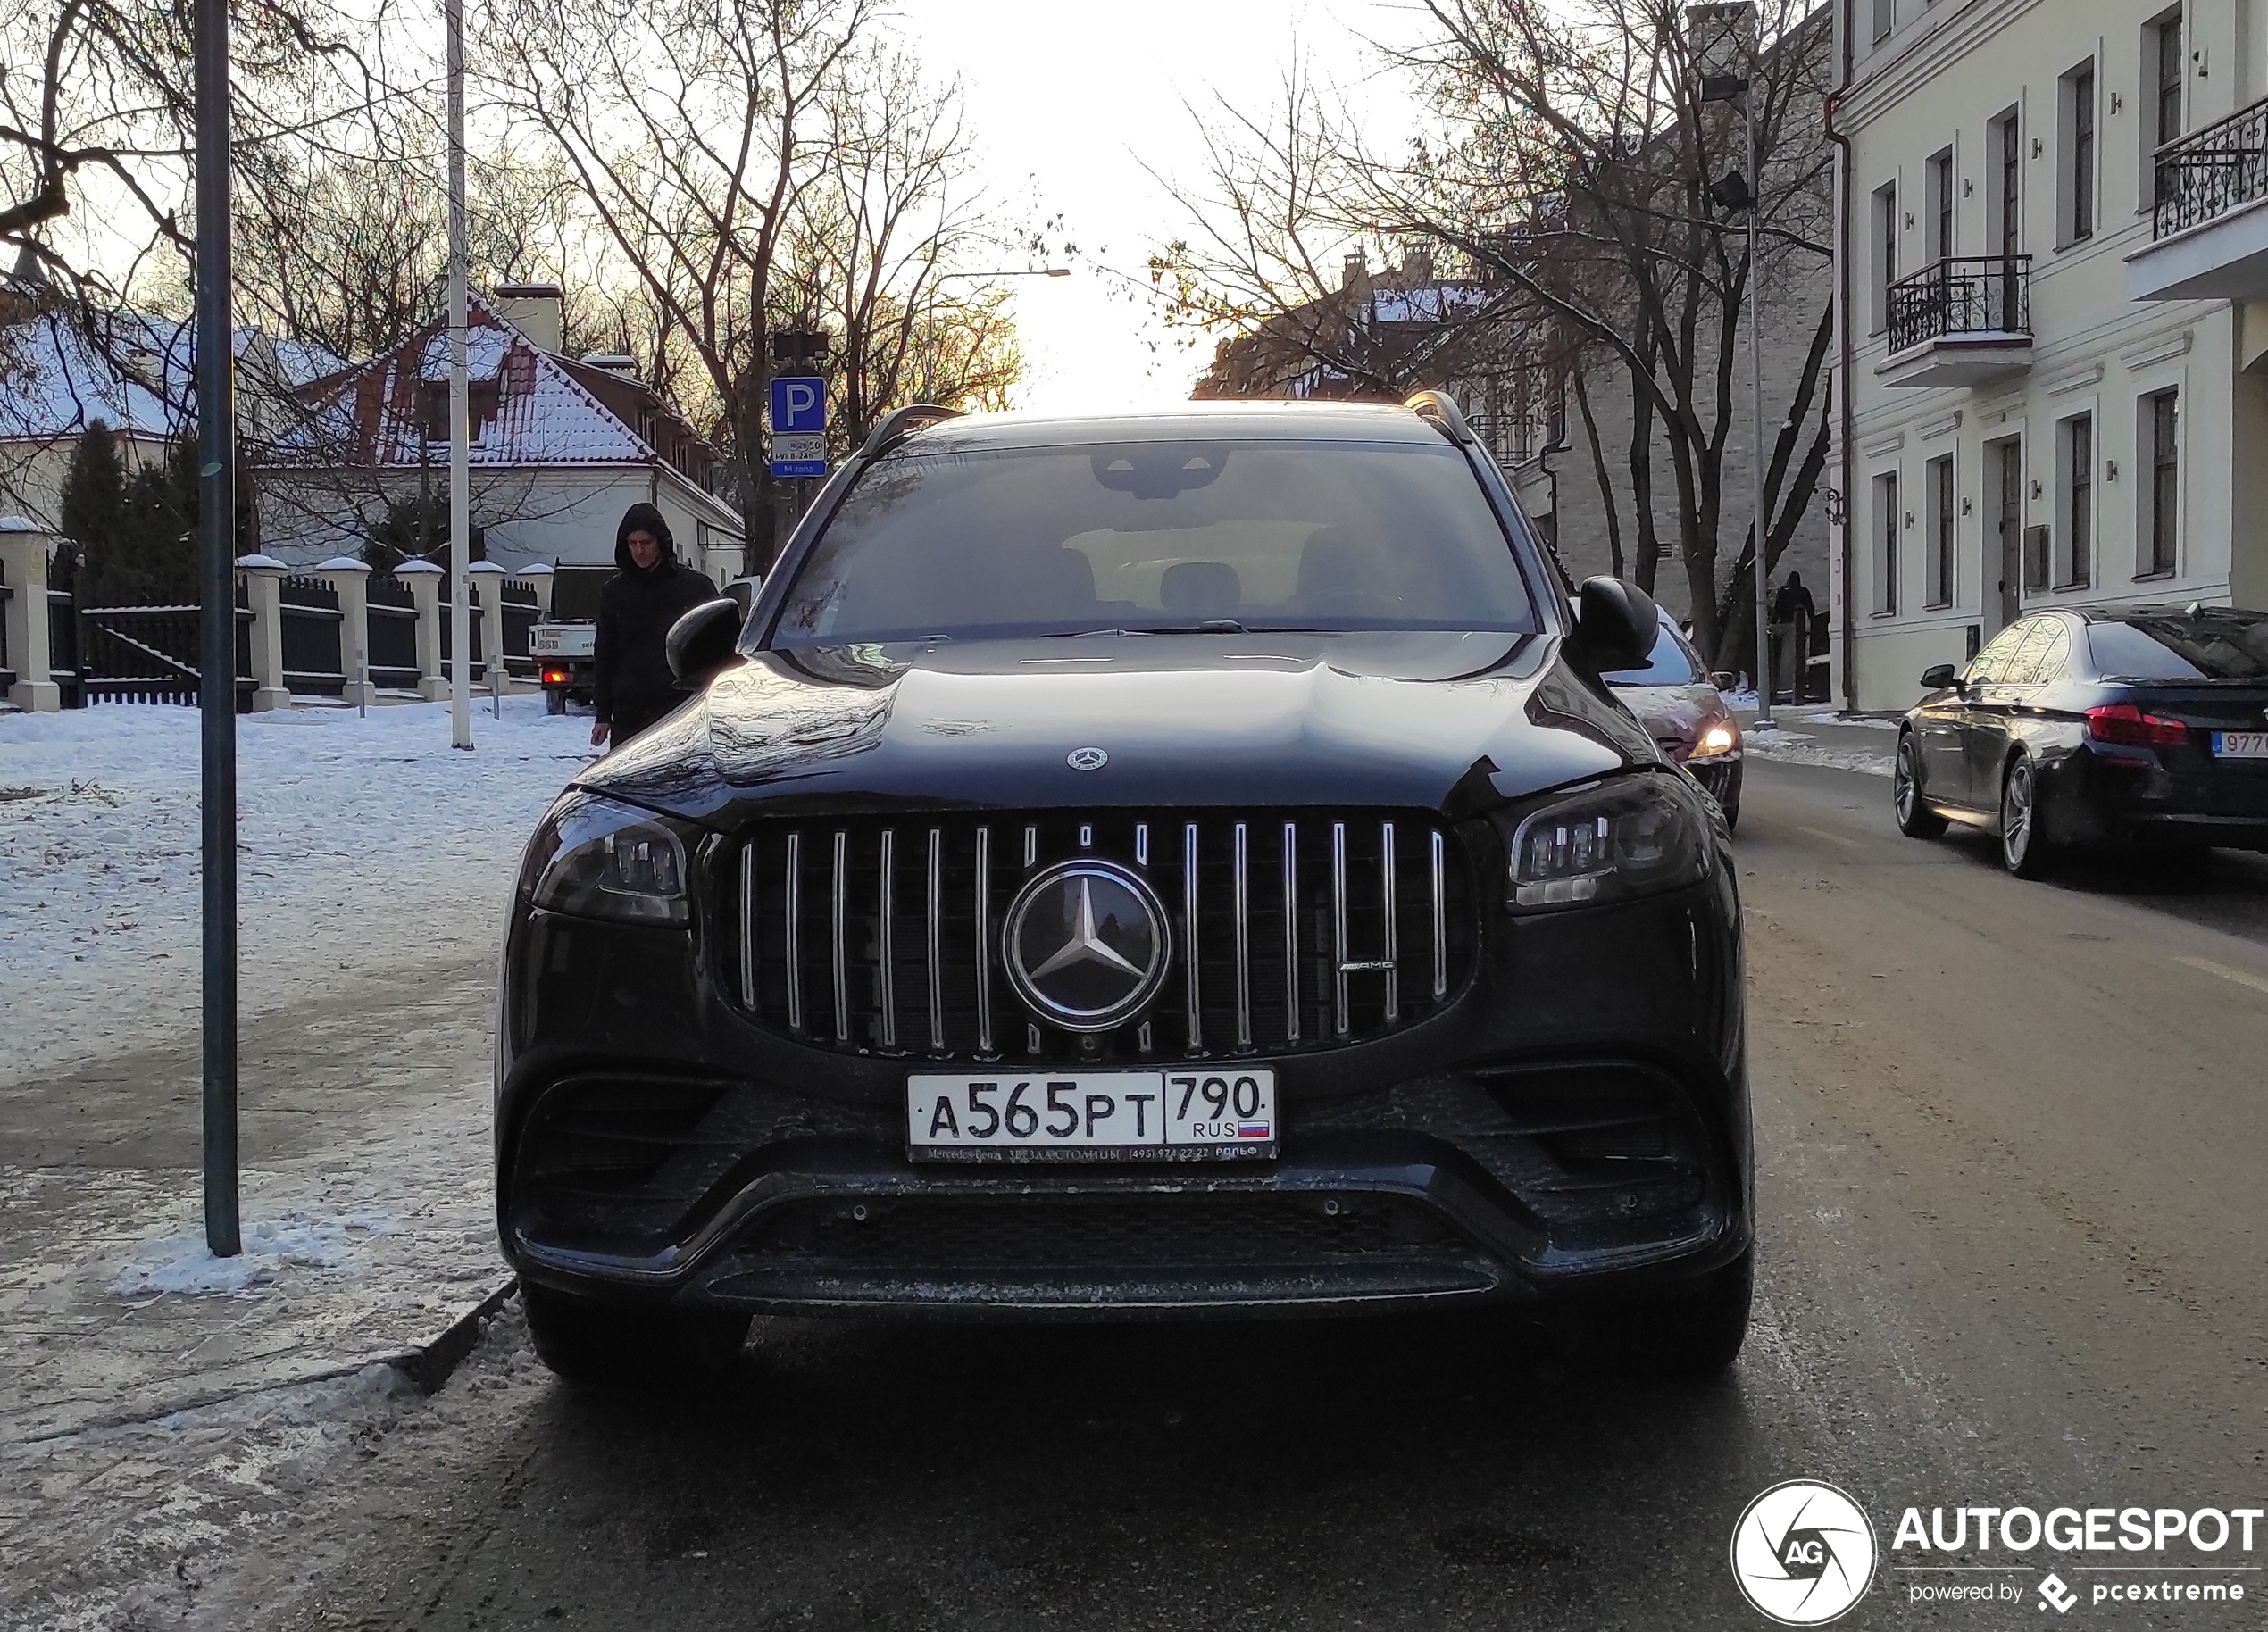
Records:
x=900, y=423
x=1437, y=407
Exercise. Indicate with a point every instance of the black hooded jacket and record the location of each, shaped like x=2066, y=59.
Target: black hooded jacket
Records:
x=635, y=607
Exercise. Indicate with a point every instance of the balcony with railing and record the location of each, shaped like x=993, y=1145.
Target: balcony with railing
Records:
x=1959, y=322
x=2208, y=229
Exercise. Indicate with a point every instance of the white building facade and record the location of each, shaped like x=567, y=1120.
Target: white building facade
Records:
x=2054, y=260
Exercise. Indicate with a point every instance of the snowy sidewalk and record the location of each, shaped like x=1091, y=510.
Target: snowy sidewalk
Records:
x=376, y=866
x=1814, y=733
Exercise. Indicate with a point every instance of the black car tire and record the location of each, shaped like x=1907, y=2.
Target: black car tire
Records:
x=602, y=1345
x=1915, y=819
x=1692, y=1332
x=555, y=701
x=2024, y=850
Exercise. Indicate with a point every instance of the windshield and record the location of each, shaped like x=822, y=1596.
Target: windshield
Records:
x=2230, y=645
x=1671, y=663
x=1157, y=536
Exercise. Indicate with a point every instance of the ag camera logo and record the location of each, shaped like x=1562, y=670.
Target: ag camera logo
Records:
x=1803, y=1554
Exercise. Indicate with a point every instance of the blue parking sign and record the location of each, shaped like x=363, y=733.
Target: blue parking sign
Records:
x=798, y=405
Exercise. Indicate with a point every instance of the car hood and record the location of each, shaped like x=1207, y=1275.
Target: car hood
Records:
x=1445, y=721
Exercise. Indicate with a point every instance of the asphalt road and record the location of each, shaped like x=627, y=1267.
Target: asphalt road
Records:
x=2014, y=1177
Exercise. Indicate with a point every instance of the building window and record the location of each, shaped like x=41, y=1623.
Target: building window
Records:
x=2162, y=415
x=2170, y=66
x=1885, y=18
x=1885, y=251
x=1941, y=206
x=2077, y=437
x=2077, y=120
x=1886, y=557
x=2008, y=184
x=1940, y=586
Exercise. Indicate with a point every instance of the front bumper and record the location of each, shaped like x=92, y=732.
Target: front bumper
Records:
x=1577, y=1121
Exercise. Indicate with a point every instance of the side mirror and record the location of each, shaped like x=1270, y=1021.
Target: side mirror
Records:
x=1722, y=678
x=742, y=592
x=1939, y=675
x=1616, y=624
x=704, y=640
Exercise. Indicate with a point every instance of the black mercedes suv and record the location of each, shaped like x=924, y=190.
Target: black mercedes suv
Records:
x=1134, y=867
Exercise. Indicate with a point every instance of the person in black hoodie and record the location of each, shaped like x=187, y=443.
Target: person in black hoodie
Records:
x=633, y=687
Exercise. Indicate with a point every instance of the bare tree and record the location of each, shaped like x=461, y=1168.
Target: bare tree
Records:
x=1572, y=164
x=690, y=128
x=889, y=210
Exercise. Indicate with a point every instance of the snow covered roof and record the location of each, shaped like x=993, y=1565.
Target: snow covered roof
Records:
x=529, y=406
x=55, y=379
x=1428, y=303
x=53, y=382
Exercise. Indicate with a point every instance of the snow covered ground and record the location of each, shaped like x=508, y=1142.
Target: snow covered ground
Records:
x=353, y=830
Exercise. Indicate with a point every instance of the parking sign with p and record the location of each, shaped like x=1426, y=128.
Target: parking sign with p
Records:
x=798, y=426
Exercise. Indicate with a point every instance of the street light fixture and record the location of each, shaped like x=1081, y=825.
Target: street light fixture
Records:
x=929, y=324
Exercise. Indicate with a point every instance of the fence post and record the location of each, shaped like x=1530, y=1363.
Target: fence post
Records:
x=488, y=575
x=23, y=556
x=424, y=579
x=264, y=576
x=352, y=580
x=537, y=573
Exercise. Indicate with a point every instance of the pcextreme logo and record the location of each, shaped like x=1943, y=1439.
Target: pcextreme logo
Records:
x=1803, y=1553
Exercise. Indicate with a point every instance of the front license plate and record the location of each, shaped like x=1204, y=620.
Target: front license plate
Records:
x=1091, y=1116
x=2240, y=745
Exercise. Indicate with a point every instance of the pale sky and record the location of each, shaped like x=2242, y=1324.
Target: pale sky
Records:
x=1067, y=102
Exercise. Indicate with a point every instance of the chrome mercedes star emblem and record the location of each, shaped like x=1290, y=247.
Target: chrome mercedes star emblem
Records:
x=1087, y=759
x=1086, y=945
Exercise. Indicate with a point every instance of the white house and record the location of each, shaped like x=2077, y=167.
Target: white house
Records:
x=560, y=447
x=2054, y=259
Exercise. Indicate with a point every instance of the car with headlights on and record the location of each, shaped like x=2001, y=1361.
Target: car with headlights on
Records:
x=1677, y=702
x=1166, y=865
x=2103, y=726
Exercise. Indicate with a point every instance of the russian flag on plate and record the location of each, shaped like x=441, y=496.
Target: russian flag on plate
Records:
x=1252, y=1130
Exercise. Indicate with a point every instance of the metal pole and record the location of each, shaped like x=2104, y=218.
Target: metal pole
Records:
x=1757, y=389
x=217, y=671
x=460, y=415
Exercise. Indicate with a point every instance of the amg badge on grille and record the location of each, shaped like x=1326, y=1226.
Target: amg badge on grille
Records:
x=1086, y=945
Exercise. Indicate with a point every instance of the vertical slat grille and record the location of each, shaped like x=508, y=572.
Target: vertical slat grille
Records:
x=933, y=939
x=1287, y=935
x=884, y=931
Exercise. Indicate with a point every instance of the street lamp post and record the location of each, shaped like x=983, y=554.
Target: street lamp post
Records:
x=929, y=323
x=460, y=410
x=1731, y=194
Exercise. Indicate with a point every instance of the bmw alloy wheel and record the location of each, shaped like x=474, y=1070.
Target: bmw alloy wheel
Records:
x=1915, y=819
x=2021, y=849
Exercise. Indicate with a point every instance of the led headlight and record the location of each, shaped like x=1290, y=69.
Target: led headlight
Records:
x=597, y=859
x=1637, y=836
x=1720, y=738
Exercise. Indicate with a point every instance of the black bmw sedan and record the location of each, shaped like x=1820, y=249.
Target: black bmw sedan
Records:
x=1155, y=866
x=2104, y=726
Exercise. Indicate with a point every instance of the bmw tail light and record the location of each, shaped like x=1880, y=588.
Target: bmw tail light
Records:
x=2129, y=727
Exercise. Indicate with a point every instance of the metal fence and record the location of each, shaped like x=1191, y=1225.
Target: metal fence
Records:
x=148, y=654
x=62, y=647
x=1986, y=294
x=519, y=606
x=2211, y=171
x=479, y=670
x=313, y=651
x=393, y=634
